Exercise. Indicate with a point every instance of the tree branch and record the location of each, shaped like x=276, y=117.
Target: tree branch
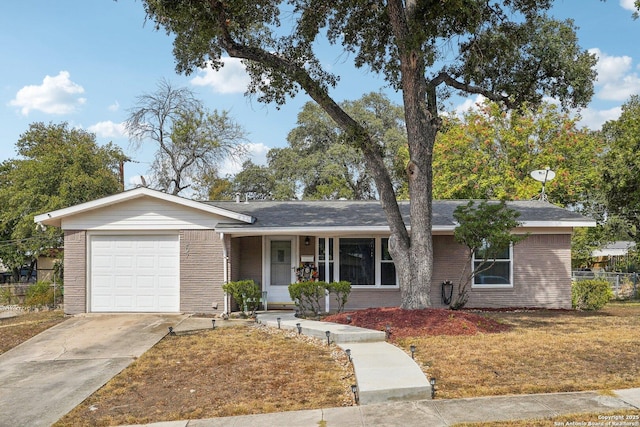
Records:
x=469, y=88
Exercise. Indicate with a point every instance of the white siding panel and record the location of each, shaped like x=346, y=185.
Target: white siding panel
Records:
x=143, y=214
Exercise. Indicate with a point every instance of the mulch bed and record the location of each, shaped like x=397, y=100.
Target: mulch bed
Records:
x=411, y=323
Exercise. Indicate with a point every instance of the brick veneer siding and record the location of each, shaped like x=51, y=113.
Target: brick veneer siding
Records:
x=541, y=273
x=75, y=271
x=201, y=271
x=246, y=258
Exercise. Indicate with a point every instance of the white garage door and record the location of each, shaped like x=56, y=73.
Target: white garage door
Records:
x=136, y=273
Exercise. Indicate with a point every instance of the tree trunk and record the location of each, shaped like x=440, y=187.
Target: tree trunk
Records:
x=412, y=252
x=414, y=256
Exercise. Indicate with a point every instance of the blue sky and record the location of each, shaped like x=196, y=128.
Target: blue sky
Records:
x=85, y=61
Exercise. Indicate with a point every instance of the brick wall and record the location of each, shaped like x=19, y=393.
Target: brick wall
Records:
x=75, y=271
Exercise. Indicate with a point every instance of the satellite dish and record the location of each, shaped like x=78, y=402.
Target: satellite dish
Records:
x=543, y=176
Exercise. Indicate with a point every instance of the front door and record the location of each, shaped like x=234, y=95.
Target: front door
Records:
x=281, y=265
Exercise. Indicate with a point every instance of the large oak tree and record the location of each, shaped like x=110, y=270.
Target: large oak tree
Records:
x=510, y=51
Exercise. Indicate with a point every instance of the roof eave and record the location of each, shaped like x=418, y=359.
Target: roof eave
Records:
x=54, y=218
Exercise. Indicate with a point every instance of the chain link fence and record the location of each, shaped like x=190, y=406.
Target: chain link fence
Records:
x=623, y=285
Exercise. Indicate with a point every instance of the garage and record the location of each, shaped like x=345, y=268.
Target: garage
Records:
x=134, y=273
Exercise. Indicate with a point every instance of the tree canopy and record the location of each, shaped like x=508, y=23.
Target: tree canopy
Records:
x=489, y=154
x=56, y=167
x=191, y=140
x=621, y=165
x=509, y=51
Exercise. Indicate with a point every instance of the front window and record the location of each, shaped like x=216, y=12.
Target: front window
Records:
x=325, y=259
x=494, y=268
x=387, y=267
x=357, y=261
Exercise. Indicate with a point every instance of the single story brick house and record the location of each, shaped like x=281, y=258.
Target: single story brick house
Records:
x=146, y=251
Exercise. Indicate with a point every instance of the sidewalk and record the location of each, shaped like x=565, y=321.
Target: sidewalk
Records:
x=440, y=413
x=432, y=413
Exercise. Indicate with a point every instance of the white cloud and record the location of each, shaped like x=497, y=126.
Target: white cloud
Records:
x=232, y=78
x=628, y=4
x=114, y=107
x=56, y=95
x=469, y=104
x=616, y=81
x=108, y=129
x=594, y=119
x=256, y=152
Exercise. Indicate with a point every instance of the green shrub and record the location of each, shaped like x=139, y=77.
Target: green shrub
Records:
x=40, y=294
x=590, y=294
x=341, y=291
x=308, y=296
x=6, y=296
x=245, y=293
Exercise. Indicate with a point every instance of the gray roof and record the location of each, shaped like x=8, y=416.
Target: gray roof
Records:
x=361, y=214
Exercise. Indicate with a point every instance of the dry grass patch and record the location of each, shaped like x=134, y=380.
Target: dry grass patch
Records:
x=226, y=372
x=16, y=330
x=545, y=351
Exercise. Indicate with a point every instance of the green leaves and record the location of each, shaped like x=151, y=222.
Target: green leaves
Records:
x=621, y=164
x=487, y=227
x=58, y=167
x=489, y=154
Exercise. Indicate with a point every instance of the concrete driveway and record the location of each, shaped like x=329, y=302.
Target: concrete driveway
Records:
x=47, y=376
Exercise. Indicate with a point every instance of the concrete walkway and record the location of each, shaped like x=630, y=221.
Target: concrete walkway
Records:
x=384, y=373
x=47, y=376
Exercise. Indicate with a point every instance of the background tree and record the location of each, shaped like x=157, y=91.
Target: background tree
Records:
x=57, y=167
x=319, y=163
x=485, y=230
x=489, y=154
x=621, y=165
x=508, y=51
x=192, y=141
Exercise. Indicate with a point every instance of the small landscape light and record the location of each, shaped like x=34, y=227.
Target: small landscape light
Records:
x=171, y=330
x=432, y=381
x=388, y=331
x=412, y=347
x=213, y=323
x=328, y=334
x=299, y=326
x=348, y=351
x=354, y=390
x=348, y=319
x=278, y=319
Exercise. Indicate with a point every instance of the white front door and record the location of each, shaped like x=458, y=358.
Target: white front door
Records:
x=281, y=263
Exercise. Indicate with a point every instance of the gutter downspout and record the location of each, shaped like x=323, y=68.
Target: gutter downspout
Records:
x=225, y=273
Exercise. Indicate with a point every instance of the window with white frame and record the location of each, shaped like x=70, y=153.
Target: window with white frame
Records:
x=363, y=261
x=357, y=260
x=495, y=268
x=325, y=259
x=387, y=267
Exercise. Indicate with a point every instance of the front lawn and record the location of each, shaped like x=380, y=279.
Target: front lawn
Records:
x=16, y=330
x=249, y=370
x=545, y=351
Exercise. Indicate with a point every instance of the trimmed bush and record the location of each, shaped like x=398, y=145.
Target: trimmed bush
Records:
x=341, y=291
x=590, y=294
x=40, y=294
x=308, y=296
x=245, y=293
